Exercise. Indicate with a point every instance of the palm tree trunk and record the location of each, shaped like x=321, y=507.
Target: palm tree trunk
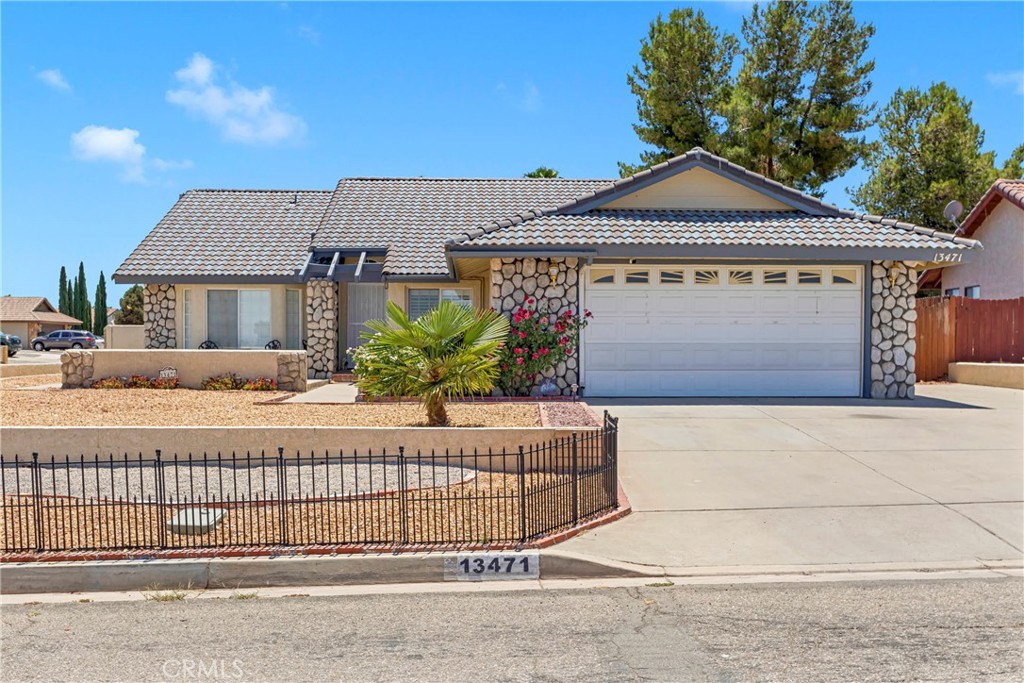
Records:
x=436, y=414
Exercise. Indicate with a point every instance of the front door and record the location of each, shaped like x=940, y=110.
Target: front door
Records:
x=365, y=301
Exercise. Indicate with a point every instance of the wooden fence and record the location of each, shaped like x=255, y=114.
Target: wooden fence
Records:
x=967, y=330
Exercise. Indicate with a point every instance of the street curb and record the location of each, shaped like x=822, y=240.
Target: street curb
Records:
x=263, y=572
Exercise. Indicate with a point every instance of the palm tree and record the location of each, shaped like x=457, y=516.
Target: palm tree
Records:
x=448, y=351
x=542, y=172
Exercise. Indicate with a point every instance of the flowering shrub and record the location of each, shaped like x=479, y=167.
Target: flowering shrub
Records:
x=135, y=382
x=538, y=341
x=260, y=384
x=140, y=382
x=226, y=382
x=109, y=383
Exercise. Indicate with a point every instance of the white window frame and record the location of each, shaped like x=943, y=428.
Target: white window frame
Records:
x=290, y=343
x=186, y=317
x=439, y=290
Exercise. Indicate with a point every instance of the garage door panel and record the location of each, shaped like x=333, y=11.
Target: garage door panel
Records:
x=726, y=339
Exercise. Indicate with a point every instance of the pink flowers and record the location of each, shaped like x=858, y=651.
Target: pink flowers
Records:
x=538, y=341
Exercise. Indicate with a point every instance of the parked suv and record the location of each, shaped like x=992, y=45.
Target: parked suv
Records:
x=65, y=339
x=12, y=343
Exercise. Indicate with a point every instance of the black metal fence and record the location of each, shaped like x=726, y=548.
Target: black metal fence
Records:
x=386, y=498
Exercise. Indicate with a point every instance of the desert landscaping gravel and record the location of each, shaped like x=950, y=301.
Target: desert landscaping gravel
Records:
x=191, y=408
x=559, y=414
x=28, y=381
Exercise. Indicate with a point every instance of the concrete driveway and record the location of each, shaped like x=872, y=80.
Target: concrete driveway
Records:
x=765, y=483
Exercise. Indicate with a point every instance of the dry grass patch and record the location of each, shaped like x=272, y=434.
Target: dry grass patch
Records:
x=192, y=408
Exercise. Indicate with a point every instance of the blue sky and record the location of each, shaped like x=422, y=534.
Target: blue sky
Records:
x=111, y=110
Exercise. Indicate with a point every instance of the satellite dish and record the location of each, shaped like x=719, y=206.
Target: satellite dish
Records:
x=953, y=211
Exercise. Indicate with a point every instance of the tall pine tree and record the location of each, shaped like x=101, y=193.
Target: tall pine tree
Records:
x=99, y=321
x=62, y=304
x=929, y=152
x=796, y=111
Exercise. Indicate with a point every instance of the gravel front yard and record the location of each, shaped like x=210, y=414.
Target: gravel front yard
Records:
x=28, y=381
x=190, y=408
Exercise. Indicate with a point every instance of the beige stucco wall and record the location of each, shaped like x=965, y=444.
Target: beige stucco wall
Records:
x=277, y=311
x=18, y=330
x=999, y=269
x=1009, y=375
x=59, y=442
x=697, y=188
x=193, y=366
x=124, y=337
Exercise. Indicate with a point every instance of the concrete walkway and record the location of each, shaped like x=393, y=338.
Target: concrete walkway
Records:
x=770, y=483
x=341, y=392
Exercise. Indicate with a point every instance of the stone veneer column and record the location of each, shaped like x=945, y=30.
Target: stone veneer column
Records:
x=158, y=306
x=893, y=329
x=321, y=326
x=514, y=280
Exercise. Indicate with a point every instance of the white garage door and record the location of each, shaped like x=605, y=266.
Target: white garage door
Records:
x=723, y=330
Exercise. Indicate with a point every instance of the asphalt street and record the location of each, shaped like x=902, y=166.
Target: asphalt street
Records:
x=969, y=630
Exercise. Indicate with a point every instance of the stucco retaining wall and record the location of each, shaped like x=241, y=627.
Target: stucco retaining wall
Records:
x=124, y=336
x=61, y=442
x=1009, y=375
x=81, y=368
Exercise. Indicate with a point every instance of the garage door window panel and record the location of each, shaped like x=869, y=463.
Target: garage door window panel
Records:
x=638, y=277
x=844, y=276
x=705, y=277
x=672, y=277
x=808, y=277
x=776, y=277
x=741, y=277
x=602, y=276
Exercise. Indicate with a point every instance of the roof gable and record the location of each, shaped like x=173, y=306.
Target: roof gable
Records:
x=32, y=309
x=697, y=188
x=1010, y=190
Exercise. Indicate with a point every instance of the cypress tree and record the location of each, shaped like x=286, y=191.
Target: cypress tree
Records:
x=100, y=317
x=82, y=292
x=72, y=299
x=62, y=304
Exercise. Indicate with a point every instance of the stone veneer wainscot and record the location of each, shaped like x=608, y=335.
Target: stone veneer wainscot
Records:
x=893, y=329
x=514, y=280
x=321, y=326
x=158, y=305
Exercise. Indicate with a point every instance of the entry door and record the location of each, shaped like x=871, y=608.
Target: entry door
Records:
x=366, y=301
x=723, y=330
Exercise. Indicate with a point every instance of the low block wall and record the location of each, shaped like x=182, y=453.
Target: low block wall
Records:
x=124, y=336
x=1009, y=375
x=61, y=442
x=81, y=368
x=28, y=370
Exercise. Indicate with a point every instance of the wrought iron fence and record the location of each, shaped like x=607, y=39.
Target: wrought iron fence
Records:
x=385, y=498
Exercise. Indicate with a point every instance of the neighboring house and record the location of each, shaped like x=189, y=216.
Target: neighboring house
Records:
x=997, y=221
x=704, y=279
x=31, y=316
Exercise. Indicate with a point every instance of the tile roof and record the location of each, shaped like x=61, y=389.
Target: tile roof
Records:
x=32, y=309
x=230, y=233
x=713, y=227
x=413, y=217
x=1010, y=190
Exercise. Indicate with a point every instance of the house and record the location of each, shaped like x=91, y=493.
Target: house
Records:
x=704, y=279
x=31, y=316
x=997, y=221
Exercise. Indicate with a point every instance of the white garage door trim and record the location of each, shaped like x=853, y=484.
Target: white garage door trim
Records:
x=723, y=330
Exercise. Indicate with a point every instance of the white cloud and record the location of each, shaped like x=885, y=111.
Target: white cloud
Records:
x=198, y=72
x=122, y=147
x=99, y=143
x=242, y=115
x=171, y=165
x=1014, y=79
x=527, y=99
x=55, y=79
x=309, y=33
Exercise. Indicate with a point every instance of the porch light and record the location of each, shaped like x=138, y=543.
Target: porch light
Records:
x=553, y=272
